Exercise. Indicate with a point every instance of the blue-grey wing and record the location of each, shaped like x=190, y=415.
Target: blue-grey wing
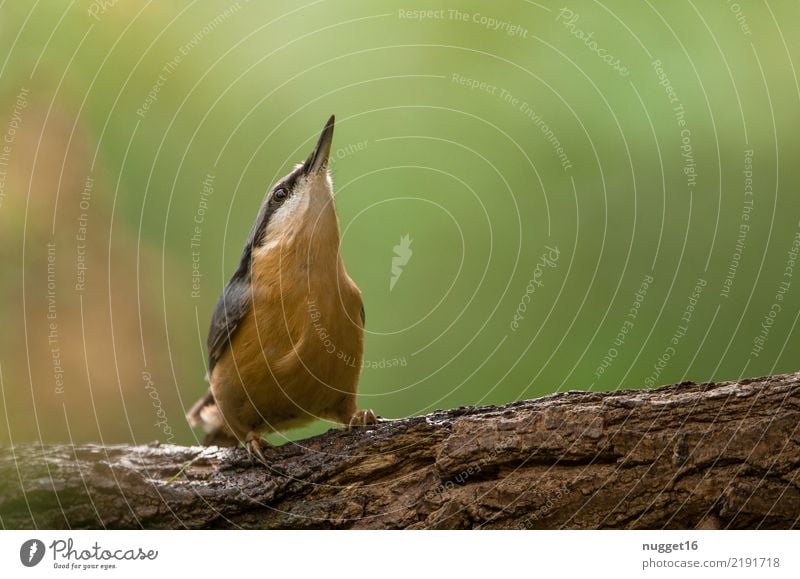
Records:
x=230, y=310
x=233, y=303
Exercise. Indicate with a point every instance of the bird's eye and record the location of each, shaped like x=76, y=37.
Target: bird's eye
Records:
x=280, y=194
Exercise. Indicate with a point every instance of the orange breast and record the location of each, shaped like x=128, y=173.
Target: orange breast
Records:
x=298, y=352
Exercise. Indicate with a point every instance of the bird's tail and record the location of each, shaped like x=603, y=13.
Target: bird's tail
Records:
x=205, y=413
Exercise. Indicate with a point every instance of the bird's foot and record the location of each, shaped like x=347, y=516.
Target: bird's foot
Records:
x=255, y=445
x=362, y=418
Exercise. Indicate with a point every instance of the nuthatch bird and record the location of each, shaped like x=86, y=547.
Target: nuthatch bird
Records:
x=286, y=340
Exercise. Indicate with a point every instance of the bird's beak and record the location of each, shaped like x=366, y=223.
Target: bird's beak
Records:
x=318, y=159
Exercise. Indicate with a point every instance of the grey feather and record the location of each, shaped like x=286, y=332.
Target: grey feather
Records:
x=231, y=308
x=234, y=302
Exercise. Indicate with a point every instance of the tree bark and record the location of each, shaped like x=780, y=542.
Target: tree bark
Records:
x=712, y=455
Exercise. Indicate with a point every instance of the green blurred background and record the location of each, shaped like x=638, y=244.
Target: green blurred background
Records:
x=491, y=134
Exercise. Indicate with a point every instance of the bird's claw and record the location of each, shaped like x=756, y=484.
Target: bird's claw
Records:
x=362, y=418
x=255, y=445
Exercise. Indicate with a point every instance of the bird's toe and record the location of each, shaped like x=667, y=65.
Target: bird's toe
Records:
x=362, y=418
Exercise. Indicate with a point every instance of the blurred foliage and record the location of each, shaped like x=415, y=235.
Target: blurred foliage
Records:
x=469, y=171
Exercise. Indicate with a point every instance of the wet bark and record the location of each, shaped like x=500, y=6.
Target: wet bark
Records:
x=713, y=455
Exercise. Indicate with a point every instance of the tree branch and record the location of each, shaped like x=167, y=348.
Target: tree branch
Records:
x=690, y=455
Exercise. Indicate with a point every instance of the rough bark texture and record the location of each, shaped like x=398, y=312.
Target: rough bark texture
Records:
x=711, y=455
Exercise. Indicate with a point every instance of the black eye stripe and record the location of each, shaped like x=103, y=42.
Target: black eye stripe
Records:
x=264, y=215
x=288, y=183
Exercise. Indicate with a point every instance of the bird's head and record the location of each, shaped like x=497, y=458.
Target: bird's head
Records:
x=301, y=204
